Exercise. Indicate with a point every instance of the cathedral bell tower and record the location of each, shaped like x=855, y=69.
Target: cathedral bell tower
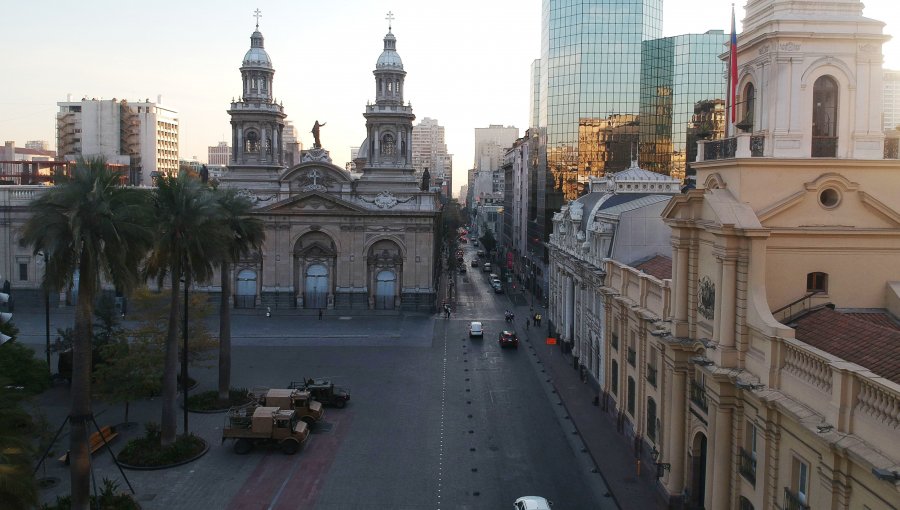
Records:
x=257, y=121
x=388, y=147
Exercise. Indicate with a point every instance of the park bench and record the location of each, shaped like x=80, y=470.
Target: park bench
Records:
x=95, y=442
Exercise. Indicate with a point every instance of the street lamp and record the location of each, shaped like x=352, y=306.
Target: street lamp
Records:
x=660, y=466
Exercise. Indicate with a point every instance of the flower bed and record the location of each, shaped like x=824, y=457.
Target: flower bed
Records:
x=208, y=401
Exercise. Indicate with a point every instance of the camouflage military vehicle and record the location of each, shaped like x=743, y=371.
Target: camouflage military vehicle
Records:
x=252, y=425
x=308, y=409
x=324, y=391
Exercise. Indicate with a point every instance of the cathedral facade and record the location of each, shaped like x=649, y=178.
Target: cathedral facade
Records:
x=333, y=242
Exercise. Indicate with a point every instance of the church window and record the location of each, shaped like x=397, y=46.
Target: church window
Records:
x=824, y=120
x=749, y=105
x=387, y=144
x=829, y=198
x=817, y=282
x=252, y=142
x=390, y=86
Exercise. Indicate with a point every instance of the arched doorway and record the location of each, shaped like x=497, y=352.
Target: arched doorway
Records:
x=385, y=274
x=315, y=294
x=385, y=289
x=698, y=471
x=315, y=258
x=245, y=290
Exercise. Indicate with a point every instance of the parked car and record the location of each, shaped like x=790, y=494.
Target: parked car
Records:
x=498, y=288
x=475, y=243
x=475, y=329
x=474, y=262
x=532, y=503
x=508, y=339
x=480, y=253
x=487, y=267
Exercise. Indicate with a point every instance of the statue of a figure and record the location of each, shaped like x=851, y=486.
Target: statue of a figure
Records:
x=426, y=180
x=204, y=174
x=317, y=144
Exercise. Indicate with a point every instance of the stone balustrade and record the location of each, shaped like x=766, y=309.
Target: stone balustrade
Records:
x=807, y=366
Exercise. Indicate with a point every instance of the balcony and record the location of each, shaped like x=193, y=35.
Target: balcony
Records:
x=651, y=375
x=698, y=396
x=793, y=502
x=632, y=356
x=748, y=466
x=720, y=149
x=824, y=146
x=743, y=145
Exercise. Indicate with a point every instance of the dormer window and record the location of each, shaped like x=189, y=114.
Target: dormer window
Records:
x=824, y=120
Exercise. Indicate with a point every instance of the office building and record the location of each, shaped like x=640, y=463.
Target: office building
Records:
x=219, y=154
x=429, y=151
x=142, y=135
x=891, y=101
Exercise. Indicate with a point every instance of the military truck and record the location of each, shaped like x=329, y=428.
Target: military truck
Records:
x=324, y=391
x=301, y=401
x=252, y=425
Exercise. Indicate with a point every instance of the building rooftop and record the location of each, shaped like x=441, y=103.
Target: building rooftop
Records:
x=859, y=340
x=658, y=266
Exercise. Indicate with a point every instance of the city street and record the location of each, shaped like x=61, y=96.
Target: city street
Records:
x=436, y=420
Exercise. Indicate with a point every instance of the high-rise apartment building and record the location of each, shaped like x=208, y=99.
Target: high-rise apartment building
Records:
x=891, y=99
x=219, y=154
x=491, y=144
x=679, y=76
x=429, y=150
x=38, y=145
x=142, y=135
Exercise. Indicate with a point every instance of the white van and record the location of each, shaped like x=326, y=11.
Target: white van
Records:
x=487, y=267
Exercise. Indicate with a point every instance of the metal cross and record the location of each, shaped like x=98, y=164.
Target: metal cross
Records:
x=257, y=14
x=389, y=18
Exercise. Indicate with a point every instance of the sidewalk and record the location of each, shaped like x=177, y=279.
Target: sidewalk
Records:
x=612, y=452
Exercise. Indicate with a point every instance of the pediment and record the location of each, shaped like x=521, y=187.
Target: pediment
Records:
x=314, y=176
x=830, y=200
x=313, y=202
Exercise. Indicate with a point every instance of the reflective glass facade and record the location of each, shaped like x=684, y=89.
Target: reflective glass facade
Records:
x=683, y=86
x=590, y=86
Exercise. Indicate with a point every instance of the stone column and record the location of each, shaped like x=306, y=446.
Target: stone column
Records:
x=726, y=312
x=674, y=423
x=680, y=292
x=721, y=463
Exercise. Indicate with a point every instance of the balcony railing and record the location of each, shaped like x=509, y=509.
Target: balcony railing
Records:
x=892, y=148
x=757, y=146
x=632, y=356
x=720, y=149
x=793, y=501
x=824, y=146
x=651, y=375
x=698, y=396
x=748, y=466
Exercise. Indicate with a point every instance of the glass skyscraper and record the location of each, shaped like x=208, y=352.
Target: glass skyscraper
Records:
x=682, y=99
x=590, y=86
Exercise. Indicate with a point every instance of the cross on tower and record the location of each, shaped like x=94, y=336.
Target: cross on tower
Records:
x=257, y=14
x=389, y=18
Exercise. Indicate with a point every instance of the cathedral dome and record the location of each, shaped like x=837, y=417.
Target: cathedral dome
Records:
x=256, y=55
x=389, y=58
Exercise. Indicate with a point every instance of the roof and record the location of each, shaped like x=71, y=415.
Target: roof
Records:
x=658, y=266
x=856, y=340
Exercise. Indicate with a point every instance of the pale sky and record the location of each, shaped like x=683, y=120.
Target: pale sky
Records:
x=467, y=61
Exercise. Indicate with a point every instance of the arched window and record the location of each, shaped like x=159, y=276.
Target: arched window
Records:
x=817, y=282
x=614, y=377
x=824, y=120
x=749, y=106
x=252, y=142
x=387, y=144
x=651, y=419
x=745, y=504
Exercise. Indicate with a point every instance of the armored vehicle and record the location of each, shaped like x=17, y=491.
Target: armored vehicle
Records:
x=250, y=425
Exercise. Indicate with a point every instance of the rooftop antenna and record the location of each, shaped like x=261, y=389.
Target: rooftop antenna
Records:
x=390, y=19
x=257, y=14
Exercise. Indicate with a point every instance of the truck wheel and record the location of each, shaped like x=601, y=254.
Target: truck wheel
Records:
x=340, y=403
x=290, y=446
x=242, y=446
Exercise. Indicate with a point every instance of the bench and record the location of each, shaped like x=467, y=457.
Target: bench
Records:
x=95, y=442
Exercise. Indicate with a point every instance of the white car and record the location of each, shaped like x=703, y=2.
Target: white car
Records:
x=532, y=503
x=475, y=329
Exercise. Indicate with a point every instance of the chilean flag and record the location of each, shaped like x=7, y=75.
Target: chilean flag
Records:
x=733, y=72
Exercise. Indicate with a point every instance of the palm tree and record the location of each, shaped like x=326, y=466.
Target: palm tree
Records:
x=89, y=225
x=189, y=237
x=245, y=235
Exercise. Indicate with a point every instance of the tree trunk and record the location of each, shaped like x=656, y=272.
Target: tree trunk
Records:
x=168, y=426
x=225, y=334
x=80, y=414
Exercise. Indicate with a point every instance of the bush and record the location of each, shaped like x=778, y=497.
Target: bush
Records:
x=148, y=451
x=109, y=499
x=209, y=400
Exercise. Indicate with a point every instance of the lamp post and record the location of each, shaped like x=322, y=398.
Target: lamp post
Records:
x=660, y=466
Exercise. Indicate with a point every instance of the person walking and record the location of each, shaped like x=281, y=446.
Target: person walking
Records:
x=320, y=314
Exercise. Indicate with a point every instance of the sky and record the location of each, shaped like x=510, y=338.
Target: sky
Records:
x=467, y=61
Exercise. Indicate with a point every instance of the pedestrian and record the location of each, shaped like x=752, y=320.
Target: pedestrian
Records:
x=320, y=314
x=537, y=320
x=527, y=324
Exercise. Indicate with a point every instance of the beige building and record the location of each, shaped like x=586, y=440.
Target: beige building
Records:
x=763, y=368
x=333, y=241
